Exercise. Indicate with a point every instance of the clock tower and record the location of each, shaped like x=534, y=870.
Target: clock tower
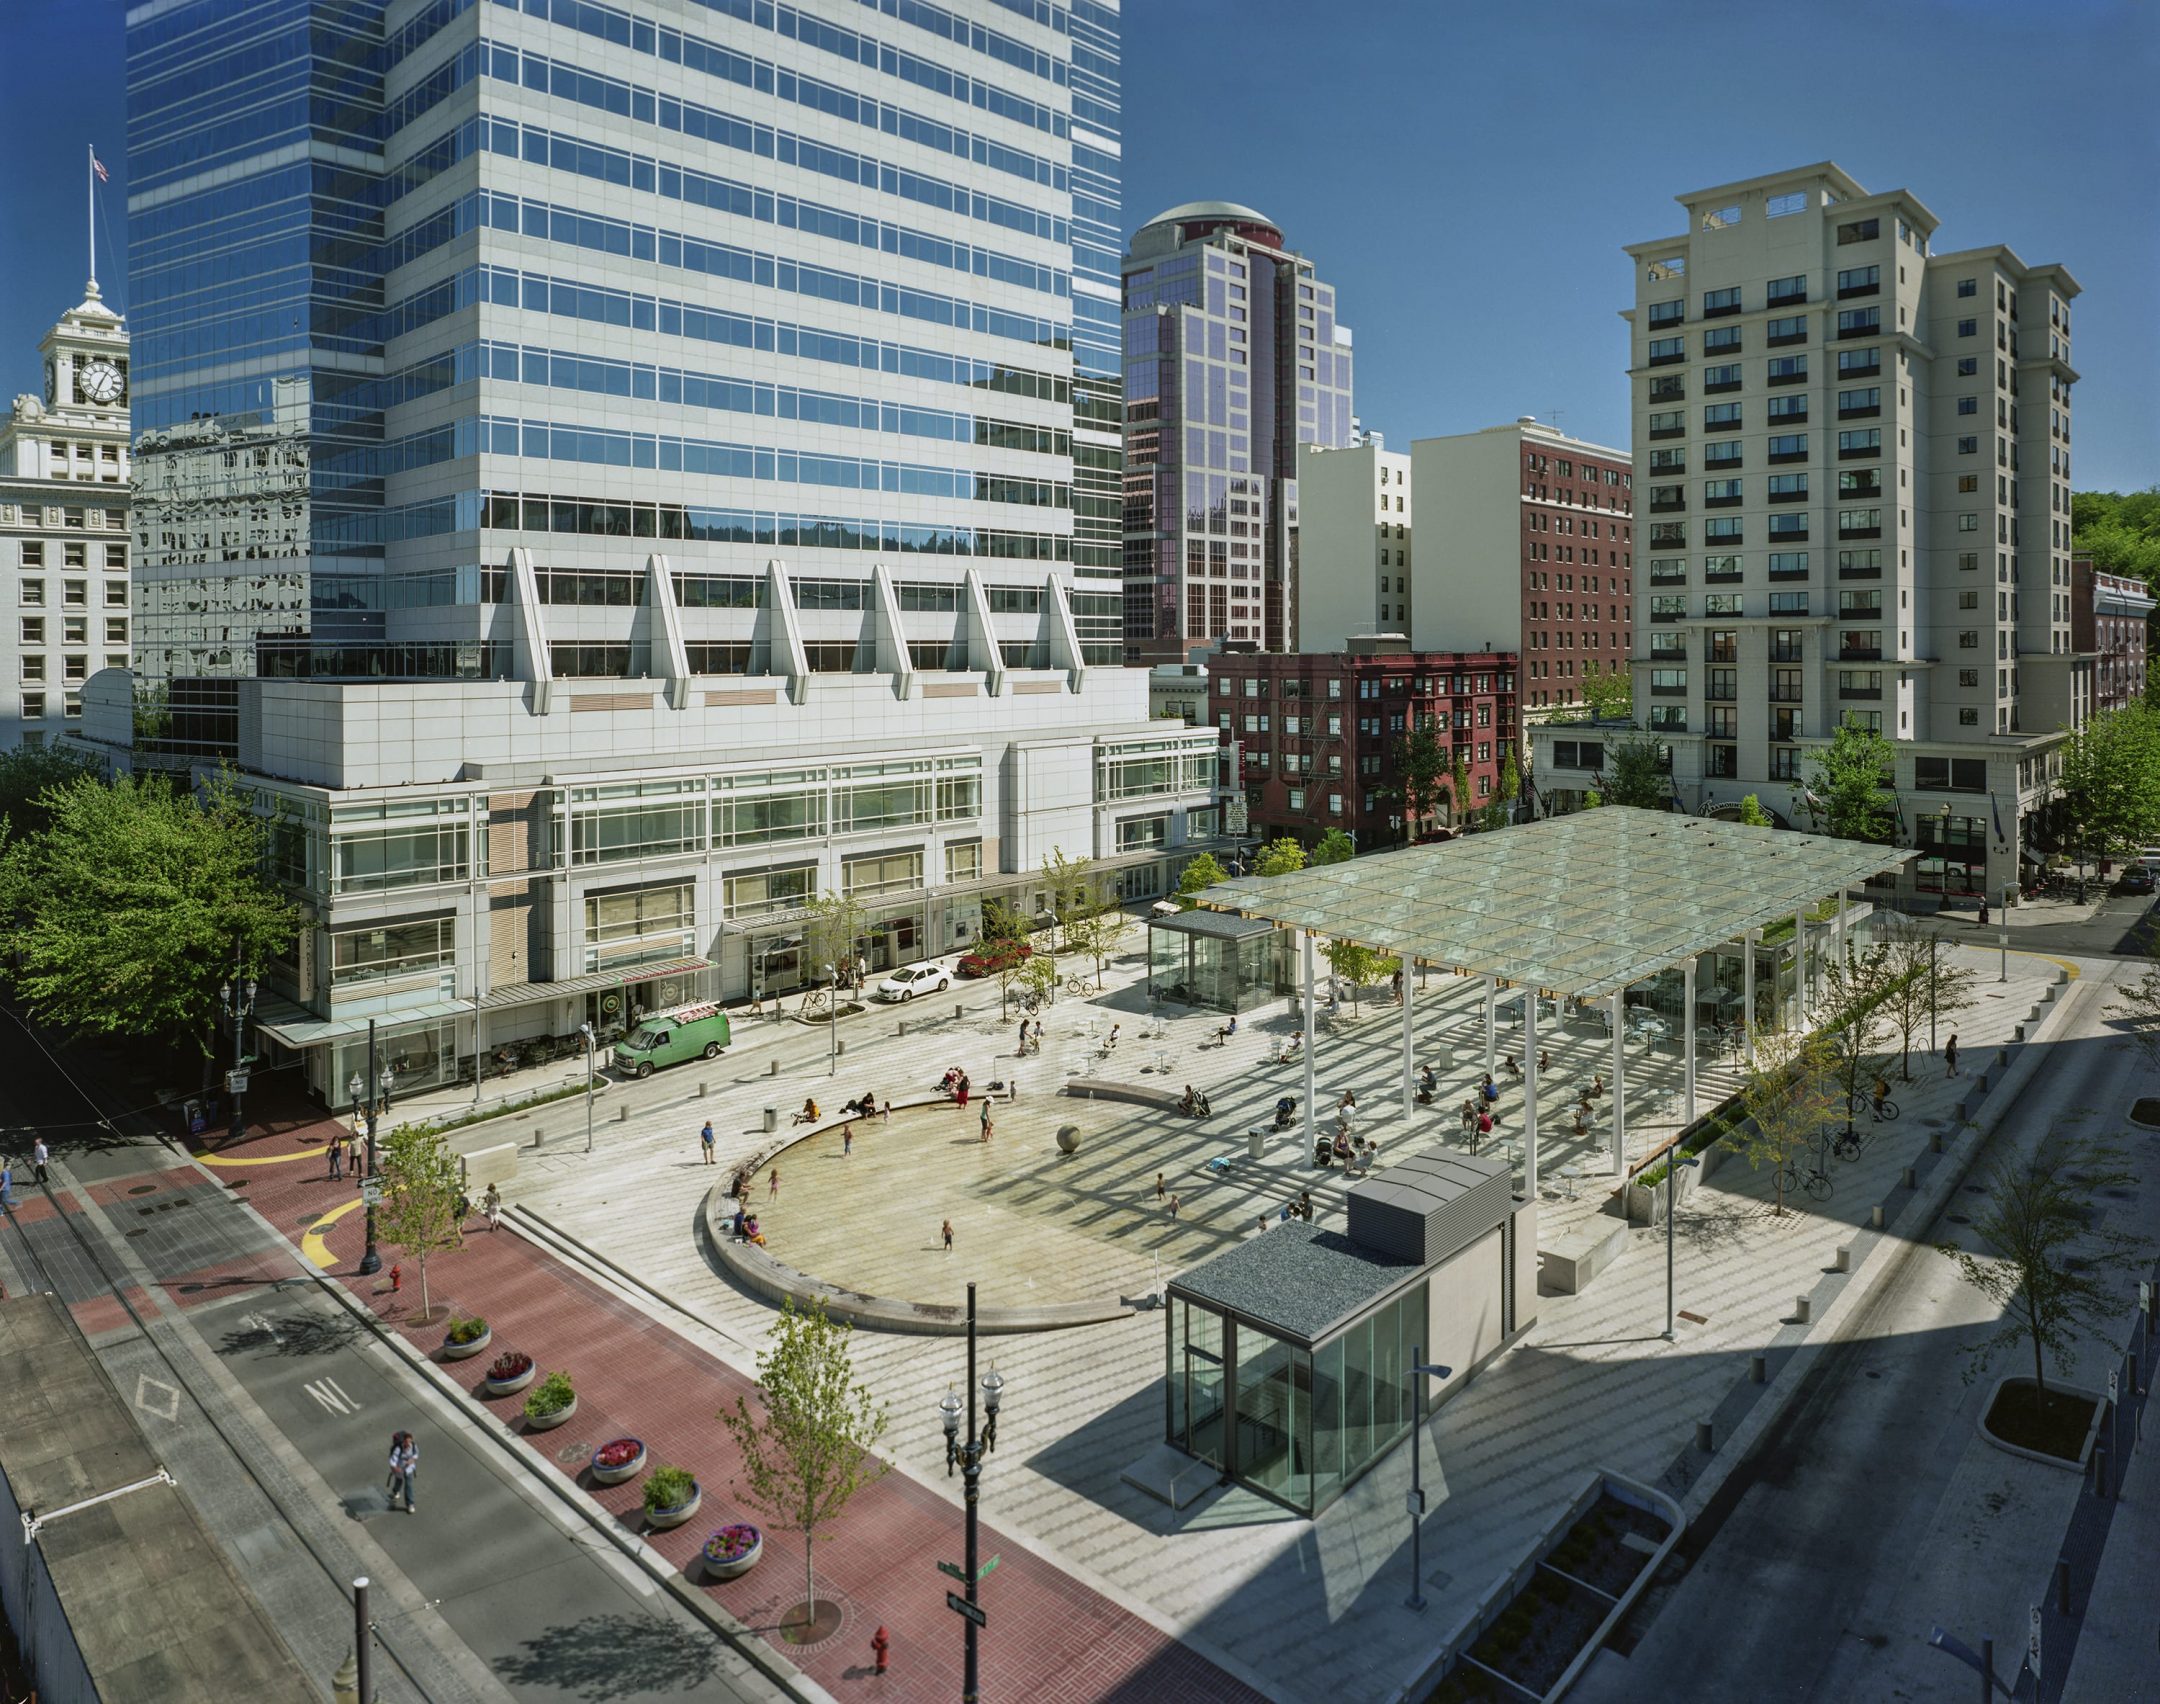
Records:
x=85, y=396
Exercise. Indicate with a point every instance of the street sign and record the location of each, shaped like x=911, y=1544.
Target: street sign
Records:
x=960, y=1573
x=2032, y=1649
x=371, y=1194
x=236, y=1082
x=973, y=1611
x=1413, y=1503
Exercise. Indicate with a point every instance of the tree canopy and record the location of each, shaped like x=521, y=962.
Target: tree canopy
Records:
x=2108, y=795
x=1279, y=858
x=1202, y=873
x=1752, y=814
x=2119, y=531
x=27, y=774
x=421, y=1186
x=1424, y=773
x=1635, y=775
x=1850, y=781
x=1336, y=847
x=1609, y=695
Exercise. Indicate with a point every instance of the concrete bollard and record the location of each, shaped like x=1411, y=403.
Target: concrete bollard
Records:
x=1759, y=1369
x=1935, y=1143
x=622, y=1115
x=1706, y=1436
x=959, y=1011
x=1844, y=1254
x=839, y=1047
x=903, y=1027
x=1911, y=1179
x=1803, y=1310
x=772, y=1067
x=1875, y=1217
x=772, y=1118
x=701, y=1090
x=2018, y=1034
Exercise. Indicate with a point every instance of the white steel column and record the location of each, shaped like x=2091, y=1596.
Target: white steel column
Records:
x=1407, y=1091
x=1529, y=1115
x=1492, y=1001
x=1619, y=1083
x=1747, y=995
x=1799, y=968
x=1687, y=983
x=1310, y=1125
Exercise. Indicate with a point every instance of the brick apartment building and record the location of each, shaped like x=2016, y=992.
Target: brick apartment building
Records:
x=2109, y=616
x=1319, y=736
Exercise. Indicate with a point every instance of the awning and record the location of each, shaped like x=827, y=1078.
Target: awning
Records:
x=530, y=993
x=295, y=1026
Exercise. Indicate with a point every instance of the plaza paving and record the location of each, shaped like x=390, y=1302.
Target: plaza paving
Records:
x=1312, y=1605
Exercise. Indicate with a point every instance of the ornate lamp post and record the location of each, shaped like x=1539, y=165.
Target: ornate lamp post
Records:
x=371, y=1261
x=968, y=1458
x=238, y=1000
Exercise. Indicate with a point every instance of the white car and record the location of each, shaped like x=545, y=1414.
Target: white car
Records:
x=914, y=979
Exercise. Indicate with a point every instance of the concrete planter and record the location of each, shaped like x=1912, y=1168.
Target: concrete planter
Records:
x=492, y=1386
x=548, y=1422
x=465, y=1351
x=617, y=1475
x=2092, y=1432
x=659, y=1520
x=735, y=1567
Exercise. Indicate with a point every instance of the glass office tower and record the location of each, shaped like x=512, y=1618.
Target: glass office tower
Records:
x=418, y=284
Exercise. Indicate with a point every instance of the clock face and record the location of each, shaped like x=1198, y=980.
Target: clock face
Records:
x=101, y=382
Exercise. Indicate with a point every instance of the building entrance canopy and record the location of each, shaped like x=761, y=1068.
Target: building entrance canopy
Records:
x=1585, y=904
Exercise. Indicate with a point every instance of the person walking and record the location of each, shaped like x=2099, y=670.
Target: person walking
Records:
x=1021, y=1049
x=1173, y=1206
x=772, y=1185
x=404, y=1468
x=1469, y=1116
x=355, y=1158
x=945, y=1230
x=847, y=1141
x=337, y=1155
x=7, y=1181
x=1160, y=1192
x=986, y=1118
x=1036, y=1035
x=705, y=1141
x=39, y=1155
x=1950, y=1055
x=491, y=1206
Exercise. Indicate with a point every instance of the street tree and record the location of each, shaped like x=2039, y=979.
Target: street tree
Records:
x=1849, y=784
x=1458, y=791
x=1002, y=921
x=1752, y=815
x=421, y=1189
x=27, y=774
x=2055, y=1274
x=1925, y=984
x=1609, y=695
x=834, y=927
x=1424, y=775
x=1360, y=966
x=807, y=1450
x=1279, y=858
x=1066, y=885
x=1636, y=774
x=1200, y=875
x=136, y=901
x=1856, y=989
x=1336, y=847
x=1037, y=976
x=1510, y=787
x=2107, y=799
x=1790, y=1098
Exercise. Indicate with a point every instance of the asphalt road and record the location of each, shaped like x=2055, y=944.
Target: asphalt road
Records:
x=1805, y=1584
x=2125, y=926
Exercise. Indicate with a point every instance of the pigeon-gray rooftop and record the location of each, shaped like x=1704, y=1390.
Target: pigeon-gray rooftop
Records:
x=1582, y=904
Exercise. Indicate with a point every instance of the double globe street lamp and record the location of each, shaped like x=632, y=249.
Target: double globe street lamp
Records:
x=968, y=1457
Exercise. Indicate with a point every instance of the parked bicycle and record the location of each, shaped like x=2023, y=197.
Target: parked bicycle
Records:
x=1077, y=985
x=1884, y=1111
x=1816, y=1181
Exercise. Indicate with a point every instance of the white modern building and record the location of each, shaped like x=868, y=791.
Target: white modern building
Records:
x=1355, y=551
x=716, y=507
x=1852, y=465
x=64, y=525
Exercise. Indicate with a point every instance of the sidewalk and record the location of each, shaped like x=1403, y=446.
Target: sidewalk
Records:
x=1049, y=1636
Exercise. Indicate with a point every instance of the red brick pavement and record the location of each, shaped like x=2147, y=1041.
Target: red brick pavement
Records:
x=1049, y=1637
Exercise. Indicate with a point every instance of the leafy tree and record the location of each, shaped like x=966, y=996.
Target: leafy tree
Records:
x=1926, y=985
x=1855, y=989
x=1279, y=858
x=27, y=774
x=808, y=1452
x=1202, y=873
x=1424, y=772
x=1002, y=921
x=1510, y=787
x=1849, y=784
x=832, y=927
x=1790, y=1097
x=1637, y=775
x=2038, y=1209
x=1087, y=908
x=1066, y=883
x=1358, y=965
x=1458, y=790
x=2108, y=796
x=135, y=902
x=1752, y=814
x=2121, y=533
x=1610, y=696
x=421, y=1188
x=1037, y=976
x=1336, y=847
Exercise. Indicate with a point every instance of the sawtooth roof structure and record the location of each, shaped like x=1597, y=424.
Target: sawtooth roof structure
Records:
x=1582, y=904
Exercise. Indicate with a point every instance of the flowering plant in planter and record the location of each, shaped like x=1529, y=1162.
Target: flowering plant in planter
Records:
x=553, y=1394
x=620, y=1453
x=464, y=1331
x=509, y=1365
x=732, y=1543
x=668, y=1488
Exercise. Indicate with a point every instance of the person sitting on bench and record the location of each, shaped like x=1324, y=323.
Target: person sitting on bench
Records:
x=809, y=1113
x=1228, y=1030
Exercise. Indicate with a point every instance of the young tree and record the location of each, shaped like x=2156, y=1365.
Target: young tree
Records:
x=1790, y=1097
x=1458, y=791
x=1510, y=787
x=1336, y=847
x=1752, y=814
x=1424, y=772
x=421, y=1189
x=1109, y=928
x=1279, y=858
x=135, y=902
x=1925, y=984
x=2107, y=799
x=1068, y=885
x=1610, y=696
x=2037, y=1211
x=1855, y=990
x=832, y=929
x=1358, y=965
x=808, y=1452
x=1037, y=976
x=1202, y=873
x=1849, y=782
x=1637, y=775
x=1002, y=921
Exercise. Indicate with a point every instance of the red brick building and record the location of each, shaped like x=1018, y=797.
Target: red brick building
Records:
x=1319, y=736
x=2109, y=616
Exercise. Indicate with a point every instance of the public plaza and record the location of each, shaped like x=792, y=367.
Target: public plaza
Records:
x=1231, y=1571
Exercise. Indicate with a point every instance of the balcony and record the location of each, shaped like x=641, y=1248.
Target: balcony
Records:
x=1873, y=329
x=1724, y=577
x=1848, y=292
x=1733, y=425
x=1788, y=573
x=1668, y=390
x=1868, y=411
x=1784, y=695
x=1864, y=366
x=1660, y=432
x=1678, y=653
x=1784, y=725
x=1786, y=339
x=1860, y=692
x=1786, y=654
x=1668, y=505
x=1732, y=502
x=1721, y=692
x=1788, y=496
x=1859, y=532
x=1786, y=379
x=1783, y=456
x=1723, y=651
x=1669, y=691
x=1859, y=611
x=1860, y=452
x=1871, y=571
x=1723, y=762
x=1723, y=310
x=1666, y=360
x=1867, y=653
x=1663, y=314
x=1791, y=299
x=1668, y=535
x=1871, y=493
x=1721, y=387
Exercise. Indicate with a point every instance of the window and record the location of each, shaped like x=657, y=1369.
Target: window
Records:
x=1721, y=417
x=1665, y=350
x=1780, y=206
x=1968, y=482
x=1788, y=527
x=1723, y=530
x=1859, y=281
x=1720, y=302
x=1968, y=560
x=1866, y=441
x=1787, y=486
x=1968, y=446
x=1968, y=405
x=757, y=892
x=627, y=821
x=1783, y=331
x=1859, y=322
x=1668, y=425
x=388, y=951
x=1788, y=408
x=1968, y=366
x=1721, y=218
x=640, y=925
x=1725, y=378
x=1859, y=231
x=116, y=594
x=1728, y=453
x=881, y=873
x=33, y=594
x=1141, y=834
x=1721, y=603
x=1719, y=568
x=1785, y=291
x=1950, y=774
x=1718, y=491
x=1969, y=677
x=1662, y=314
x=33, y=630
x=1859, y=402
x=1968, y=328
x=404, y=843
x=1723, y=340
x=1968, y=286
x=1968, y=522
x=1785, y=446
x=1788, y=564
x=1787, y=369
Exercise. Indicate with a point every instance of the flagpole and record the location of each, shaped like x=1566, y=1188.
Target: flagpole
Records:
x=90, y=183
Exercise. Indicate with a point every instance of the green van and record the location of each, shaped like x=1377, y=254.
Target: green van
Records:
x=697, y=1031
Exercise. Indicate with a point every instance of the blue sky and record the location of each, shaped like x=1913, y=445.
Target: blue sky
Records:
x=1467, y=174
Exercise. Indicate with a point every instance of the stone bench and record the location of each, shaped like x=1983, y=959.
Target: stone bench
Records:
x=1570, y=1256
x=1140, y=1094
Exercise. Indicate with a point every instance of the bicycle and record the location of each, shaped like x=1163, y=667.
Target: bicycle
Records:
x=1077, y=985
x=1865, y=1102
x=1818, y=1182
x=1029, y=1002
x=817, y=1003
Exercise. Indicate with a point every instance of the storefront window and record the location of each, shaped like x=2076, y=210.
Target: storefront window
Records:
x=881, y=872
x=650, y=819
x=757, y=892
x=639, y=925
x=963, y=861
x=391, y=950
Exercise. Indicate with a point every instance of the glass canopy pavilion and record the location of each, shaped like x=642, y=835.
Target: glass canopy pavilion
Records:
x=1217, y=960
x=1582, y=908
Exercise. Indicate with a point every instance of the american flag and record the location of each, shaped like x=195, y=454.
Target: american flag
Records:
x=97, y=165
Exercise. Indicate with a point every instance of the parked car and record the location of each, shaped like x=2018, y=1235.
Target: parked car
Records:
x=994, y=956
x=2137, y=879
x=913, y=979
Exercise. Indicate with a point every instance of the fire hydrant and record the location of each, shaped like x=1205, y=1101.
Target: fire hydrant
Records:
x=397, y=1278
x=881, y=1645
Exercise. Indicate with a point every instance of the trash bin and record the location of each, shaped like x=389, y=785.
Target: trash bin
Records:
x=772, y=1118
x=1256, y=1142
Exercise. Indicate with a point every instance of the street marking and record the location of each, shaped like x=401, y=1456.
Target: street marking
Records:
x=331, y=1395
x=313, y=1246
x=156, y=1397
x=263, y=1160
x=262, y=1324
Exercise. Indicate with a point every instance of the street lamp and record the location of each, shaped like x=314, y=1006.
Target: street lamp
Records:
x=968, y=1458
x=370, y=1261
x=1415, y=1501
x=585, y=1030
x=1673, y=1162
x=238, y=1000
x=832, y=1022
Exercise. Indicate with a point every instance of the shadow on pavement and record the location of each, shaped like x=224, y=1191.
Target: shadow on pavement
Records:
x=296, y=1336
x=613, y=1656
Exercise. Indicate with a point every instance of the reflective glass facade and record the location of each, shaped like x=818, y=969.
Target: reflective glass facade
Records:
x=417, y=285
